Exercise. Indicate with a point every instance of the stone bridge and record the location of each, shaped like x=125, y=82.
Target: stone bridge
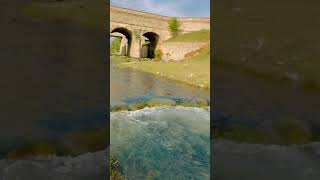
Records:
x=144, y=32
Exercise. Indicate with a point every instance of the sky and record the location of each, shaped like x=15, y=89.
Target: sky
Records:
x=191, y=8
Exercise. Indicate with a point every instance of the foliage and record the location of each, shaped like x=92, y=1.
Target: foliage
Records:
x=192, y=70
x=115, y=45
x=115, y=169
x=137, y=34
x=174, y=26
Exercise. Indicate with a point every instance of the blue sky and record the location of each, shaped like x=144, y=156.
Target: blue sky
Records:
x=193, y=8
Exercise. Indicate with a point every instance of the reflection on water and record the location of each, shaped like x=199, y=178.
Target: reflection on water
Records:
x=162, y=142
x=129, y=85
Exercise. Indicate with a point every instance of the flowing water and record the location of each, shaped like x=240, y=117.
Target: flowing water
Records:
x=161, y=142
x=128, y=85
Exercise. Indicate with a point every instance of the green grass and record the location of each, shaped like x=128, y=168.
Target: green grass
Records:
x=115, y=169
x=197, y=36
x=194, y=71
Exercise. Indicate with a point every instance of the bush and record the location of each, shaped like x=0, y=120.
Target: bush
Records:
x=158, y=54
x=115, y=45
x=115, y=169
x=174, y=26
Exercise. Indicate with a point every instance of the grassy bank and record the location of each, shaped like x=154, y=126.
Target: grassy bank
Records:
x=156, y=102
x=197, y=36
x=193, y=70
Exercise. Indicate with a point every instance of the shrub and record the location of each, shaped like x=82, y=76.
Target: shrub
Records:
x=174, y=26
x=115, y=169
x=115, y=45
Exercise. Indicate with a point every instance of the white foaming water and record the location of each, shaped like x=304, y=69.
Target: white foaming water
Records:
x=162, y=142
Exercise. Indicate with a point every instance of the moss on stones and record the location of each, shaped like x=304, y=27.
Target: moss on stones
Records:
x=154, y=102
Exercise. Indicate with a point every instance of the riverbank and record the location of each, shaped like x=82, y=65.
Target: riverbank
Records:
x=161, y=101
x=194, y=70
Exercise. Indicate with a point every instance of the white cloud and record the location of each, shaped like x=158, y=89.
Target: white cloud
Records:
x=169, y=8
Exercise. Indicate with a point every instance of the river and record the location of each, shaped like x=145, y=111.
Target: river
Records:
x=161, y=142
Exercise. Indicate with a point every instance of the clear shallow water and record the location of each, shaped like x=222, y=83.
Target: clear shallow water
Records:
x=162, y=142
x=128, y=85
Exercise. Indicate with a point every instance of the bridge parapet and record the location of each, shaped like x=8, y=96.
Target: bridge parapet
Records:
x=155, y=21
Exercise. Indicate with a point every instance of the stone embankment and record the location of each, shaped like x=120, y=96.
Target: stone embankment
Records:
x=177, y=51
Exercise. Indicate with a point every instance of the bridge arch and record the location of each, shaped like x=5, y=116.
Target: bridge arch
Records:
x=150, y=44
x=128, y=35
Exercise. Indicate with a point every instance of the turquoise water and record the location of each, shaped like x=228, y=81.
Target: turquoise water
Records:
x=162, y=142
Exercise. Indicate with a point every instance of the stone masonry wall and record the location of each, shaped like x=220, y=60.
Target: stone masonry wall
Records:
x=154, y=21
x=177, y=50
x=134, y=20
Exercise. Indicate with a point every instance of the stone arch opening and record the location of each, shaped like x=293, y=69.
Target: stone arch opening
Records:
x=149, y=46
x=126, y=40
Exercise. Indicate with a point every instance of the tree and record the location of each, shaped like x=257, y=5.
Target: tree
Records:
x=115, y=45
x=174, y=26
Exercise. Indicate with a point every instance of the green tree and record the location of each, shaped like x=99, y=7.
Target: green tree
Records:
x=115, y=45
x=174, y=26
